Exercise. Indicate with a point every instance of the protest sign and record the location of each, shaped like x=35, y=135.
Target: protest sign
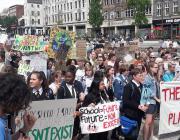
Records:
x=38, y=62
x=170, y=107
x=29, y=43
x=54, y=119
x=24, y=68
x=101, y=118
x=3, y=38
x=81, y=48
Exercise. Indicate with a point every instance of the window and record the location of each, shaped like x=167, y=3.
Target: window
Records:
x=158, y=12
x=64, y=6
x=75, y=4
x=39, y=21
x=38, y=13
x=166, y=8
x=53, y=18
x=37, y=6
x=79, y=4
x=71, y=5
x=148, y=10
x=83, y=15
x=32, y=13
x=61, y=7
x=68, y=17
x=118, y=14
x=129, y=13
x=32, y=21
x=83, y=3
x=32, y=5
x=111, y=1
x=71, y=17
x=76, y=16
x=79, y=19
x=175, y=7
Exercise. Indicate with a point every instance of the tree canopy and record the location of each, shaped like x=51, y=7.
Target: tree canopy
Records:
x=95, y=13
x=139, y=7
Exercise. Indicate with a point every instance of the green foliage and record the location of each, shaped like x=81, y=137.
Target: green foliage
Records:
x=95, y=13
x=6, y=22
x=139, y=7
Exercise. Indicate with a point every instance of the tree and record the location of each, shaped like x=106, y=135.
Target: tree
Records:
x=95, y=14
x=7, y=22
x=139, y=7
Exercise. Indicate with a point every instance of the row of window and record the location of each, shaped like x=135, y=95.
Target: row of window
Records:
x=34, y=22
x=110, y=2
x=66, y=17
x=166, y=8
x=33, y=5
x=127, y=13
x=67, y=6
x=33, y=13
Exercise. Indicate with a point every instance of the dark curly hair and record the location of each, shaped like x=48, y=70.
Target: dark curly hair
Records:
x=14, y=93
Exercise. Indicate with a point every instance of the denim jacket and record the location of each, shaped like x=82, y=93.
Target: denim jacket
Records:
x=118, y=86
x=149, y=91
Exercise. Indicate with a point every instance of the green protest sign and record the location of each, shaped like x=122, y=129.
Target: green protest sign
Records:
x=29, y=43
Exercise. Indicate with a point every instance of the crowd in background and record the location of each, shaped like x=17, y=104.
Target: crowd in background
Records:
x=101, y=77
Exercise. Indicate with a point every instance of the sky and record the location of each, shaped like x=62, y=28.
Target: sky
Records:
x=8, y=3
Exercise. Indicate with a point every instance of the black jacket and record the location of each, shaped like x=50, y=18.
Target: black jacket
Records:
x=46, y=95
x=64, y=93
x=131, y=101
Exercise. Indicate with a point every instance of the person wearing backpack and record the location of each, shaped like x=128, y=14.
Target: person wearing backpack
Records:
x=131, y=101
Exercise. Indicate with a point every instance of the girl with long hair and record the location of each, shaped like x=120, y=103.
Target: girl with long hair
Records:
x=150, y=98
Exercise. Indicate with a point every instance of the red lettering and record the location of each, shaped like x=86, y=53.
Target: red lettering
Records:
x=165, y=91
x=170, y=117
x=110, y=123
x=111, y=116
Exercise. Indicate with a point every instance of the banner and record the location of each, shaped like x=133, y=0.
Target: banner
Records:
x=29, y=43
x=101, y=118
x=54, y=119
x=170, y=107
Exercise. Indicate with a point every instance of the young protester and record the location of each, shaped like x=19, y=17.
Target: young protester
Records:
x=71, y=88
x=96, y=95
x=131, y=100
x=149, y=97
x=38, y=83
x=14, y=96
x=57, y=79
x=88, y=78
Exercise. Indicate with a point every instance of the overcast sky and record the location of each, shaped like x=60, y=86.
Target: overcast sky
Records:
x=8, y=3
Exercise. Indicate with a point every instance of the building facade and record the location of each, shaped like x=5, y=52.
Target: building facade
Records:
x=16, y=10
x=33, y=17
x=118, y=19
x=71, y=15
x=166, y=18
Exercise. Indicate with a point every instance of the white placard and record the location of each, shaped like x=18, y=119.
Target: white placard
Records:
x=170, y=107
x=54, y=119
x=101, y=118
x=3, y=38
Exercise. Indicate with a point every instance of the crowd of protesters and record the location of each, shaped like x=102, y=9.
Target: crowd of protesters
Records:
x=101, y=77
